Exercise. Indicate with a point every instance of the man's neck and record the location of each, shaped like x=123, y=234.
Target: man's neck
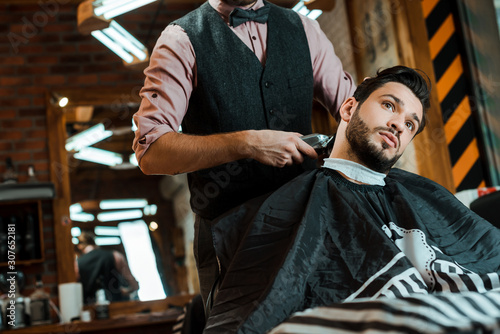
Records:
x=89, y=248
x=250, y=5
x=350, y=179
x=225, y=9
x=355, y=172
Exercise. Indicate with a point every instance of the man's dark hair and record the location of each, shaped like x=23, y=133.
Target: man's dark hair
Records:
x=409, y=77
x=87, y=238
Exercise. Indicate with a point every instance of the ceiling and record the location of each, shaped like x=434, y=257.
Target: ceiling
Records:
x=284, y=3
x=121, y=142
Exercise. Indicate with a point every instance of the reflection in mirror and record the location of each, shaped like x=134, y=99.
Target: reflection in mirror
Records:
x=145, y=218
x=104, y=274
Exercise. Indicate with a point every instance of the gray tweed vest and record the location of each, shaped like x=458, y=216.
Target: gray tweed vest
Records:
x=235, y=92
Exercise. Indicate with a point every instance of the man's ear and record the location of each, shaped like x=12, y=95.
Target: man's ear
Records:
x=347, y=109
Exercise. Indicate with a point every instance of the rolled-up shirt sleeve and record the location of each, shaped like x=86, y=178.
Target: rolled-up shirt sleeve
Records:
x=167, y=88
x=332, y=85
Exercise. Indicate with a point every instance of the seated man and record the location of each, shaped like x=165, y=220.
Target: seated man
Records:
x=97, y=268
x=354, y=228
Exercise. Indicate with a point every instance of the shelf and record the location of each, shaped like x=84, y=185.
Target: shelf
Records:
x=21, y=226
x=23, y=191
x=155, y=322
x=23, y=262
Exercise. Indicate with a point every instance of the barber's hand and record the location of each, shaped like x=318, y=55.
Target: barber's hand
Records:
x=279, y=148
x=125, y=291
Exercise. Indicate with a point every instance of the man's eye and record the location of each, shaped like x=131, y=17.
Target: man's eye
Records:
x=410, y=126
x=388, y=105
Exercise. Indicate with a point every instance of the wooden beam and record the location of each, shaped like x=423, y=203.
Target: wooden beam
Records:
x=102, y=96
x=324, y=5
x=433, y=159
x=131, y=307
x=59, y=175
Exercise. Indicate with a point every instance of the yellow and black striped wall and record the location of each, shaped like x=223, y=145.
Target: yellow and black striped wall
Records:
x=446, y=46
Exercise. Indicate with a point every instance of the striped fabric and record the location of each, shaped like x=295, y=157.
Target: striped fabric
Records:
x=179, y=323
x=445, y=312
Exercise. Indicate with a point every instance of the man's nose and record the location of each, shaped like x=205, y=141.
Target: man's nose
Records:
x=397, y=122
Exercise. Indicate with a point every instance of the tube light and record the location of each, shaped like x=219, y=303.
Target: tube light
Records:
x=301, y=8
x=87, y=138
x=121, y=42
x=129, y=203
x=99, y=156
x=117, y=49
x=110, y=231
x=150, y=210
x=112, y=8
x=314, y=14
x=133, y=160
x=81, y=217
x=119, y=215
x=75, y=208
x=107, y=241
x=76, y=231
x=126, y=40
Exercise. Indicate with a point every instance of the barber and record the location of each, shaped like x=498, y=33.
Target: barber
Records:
x=240, y=76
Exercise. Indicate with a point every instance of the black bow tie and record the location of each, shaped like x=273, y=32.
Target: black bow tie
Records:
x=239, y=16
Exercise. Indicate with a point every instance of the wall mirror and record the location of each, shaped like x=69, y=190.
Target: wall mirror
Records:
x=100, y=189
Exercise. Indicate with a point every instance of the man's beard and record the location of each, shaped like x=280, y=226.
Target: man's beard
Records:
x=357, y=135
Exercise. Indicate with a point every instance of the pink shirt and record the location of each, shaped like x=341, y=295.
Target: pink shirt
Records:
x=171, y=75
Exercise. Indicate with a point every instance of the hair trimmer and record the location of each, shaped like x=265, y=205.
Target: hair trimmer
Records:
x=322, y=144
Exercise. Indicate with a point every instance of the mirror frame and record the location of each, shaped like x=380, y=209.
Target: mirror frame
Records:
x=60, y=176
x=59, y=163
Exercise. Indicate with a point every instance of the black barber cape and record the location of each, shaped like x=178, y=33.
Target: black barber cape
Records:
x=320, y=240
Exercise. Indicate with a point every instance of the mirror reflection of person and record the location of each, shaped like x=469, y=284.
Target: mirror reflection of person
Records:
x=97, y=268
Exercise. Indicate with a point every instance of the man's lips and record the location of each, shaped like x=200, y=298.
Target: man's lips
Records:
x=390, y=139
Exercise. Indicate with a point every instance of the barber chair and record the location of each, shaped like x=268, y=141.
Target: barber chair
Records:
x=193, y=319
x=487, y=207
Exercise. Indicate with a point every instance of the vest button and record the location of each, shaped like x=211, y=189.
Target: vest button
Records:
x=271, y=111
x=267, y=84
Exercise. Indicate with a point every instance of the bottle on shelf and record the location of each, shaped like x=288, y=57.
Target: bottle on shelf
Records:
x=101, y=304
x=31, y=175
x=39, y=304
x=29, y=252
x=2, y=320
x=3, y=240
x=10, y=175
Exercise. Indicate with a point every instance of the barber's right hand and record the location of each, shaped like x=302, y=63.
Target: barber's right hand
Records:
x=279, y=148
